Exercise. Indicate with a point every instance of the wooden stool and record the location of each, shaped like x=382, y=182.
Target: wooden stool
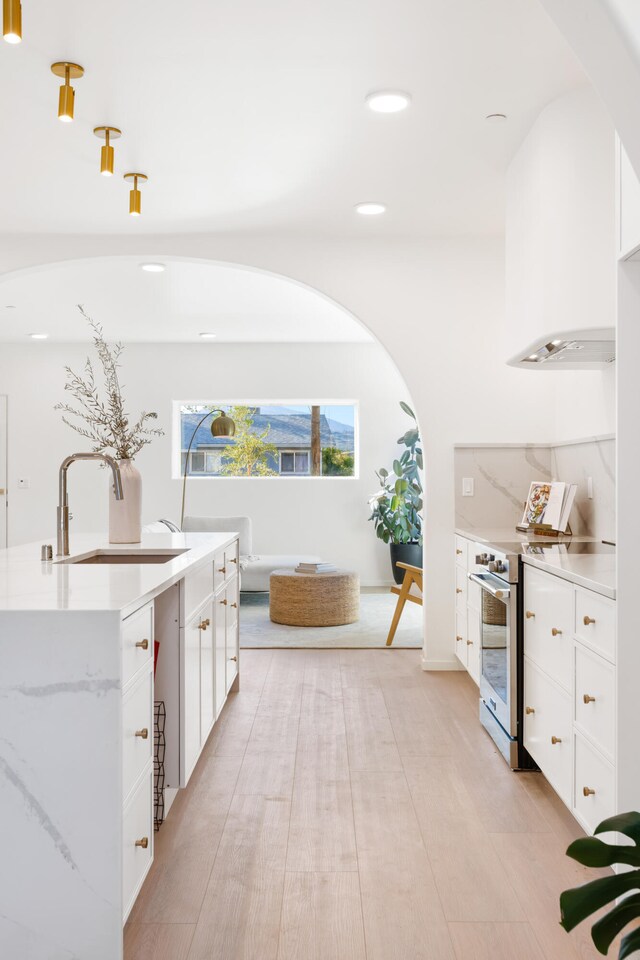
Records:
x=412, y=575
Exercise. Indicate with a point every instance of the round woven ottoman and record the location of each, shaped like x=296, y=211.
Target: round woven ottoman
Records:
x=314, y=599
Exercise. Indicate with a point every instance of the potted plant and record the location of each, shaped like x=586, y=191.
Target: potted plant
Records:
x=580, y=902
x=396, y=508
x=105, y=423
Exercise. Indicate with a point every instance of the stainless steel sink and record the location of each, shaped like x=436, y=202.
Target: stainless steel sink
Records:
x=125, y=556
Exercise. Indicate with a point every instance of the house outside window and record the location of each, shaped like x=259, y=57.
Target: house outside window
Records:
x=302, y=439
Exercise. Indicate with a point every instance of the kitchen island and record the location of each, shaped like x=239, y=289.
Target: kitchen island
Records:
x=77, y=692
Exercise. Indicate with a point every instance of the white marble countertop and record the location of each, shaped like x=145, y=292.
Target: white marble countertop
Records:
x=28, y=584
x=594, y=571
x=497, y=535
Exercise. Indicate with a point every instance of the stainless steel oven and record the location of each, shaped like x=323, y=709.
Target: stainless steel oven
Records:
x=500, y=653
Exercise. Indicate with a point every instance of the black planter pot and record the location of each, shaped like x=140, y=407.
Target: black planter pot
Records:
x=404, y=553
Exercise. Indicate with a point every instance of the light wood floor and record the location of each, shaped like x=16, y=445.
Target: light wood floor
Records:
x=349, y=806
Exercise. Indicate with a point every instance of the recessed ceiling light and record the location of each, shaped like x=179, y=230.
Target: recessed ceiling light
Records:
x=153, y=267
x=208, y=336
x=388, y=101
x=10, y=306
x=496, y=117
x=370, y=208
x=38, y=336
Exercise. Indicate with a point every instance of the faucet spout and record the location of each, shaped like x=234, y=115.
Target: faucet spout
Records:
x=63, y=498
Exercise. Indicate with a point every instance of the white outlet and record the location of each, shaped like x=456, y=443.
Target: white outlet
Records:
x=467, y=486
x=589, y=488
x=23, y=484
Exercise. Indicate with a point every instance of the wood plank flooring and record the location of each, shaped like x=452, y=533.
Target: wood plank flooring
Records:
x=349, y=806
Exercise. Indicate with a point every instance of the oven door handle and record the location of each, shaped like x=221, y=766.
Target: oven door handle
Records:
x=500, y=593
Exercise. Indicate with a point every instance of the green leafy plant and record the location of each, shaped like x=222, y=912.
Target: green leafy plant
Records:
x=250, y=452
x=336, y=462
x=395, y=509
x=580, y=902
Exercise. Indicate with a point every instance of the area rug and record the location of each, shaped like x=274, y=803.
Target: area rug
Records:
x=376, y=611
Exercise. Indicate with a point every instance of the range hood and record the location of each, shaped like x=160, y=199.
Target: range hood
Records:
x=569, y=350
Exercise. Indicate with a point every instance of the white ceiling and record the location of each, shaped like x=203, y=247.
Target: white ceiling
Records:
x=235, y=303
x=249, y=115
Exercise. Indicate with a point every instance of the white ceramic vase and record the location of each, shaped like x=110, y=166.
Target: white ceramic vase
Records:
x=125, y=516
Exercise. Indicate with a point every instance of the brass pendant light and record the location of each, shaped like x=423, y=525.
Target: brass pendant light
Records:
x=106, y=153
x=134, y=195
x=69, y=71
x=12, y=21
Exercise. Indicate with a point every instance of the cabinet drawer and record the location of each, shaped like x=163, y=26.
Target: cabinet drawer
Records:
x=594, y=792
x=137, y=641
x=231, y=560
x=461, y=588
x=137, y=717
x=461, y=638
x=231, y=635
x=220, y=571
x=596, y=622
x=548, y=626
x=462, y=548
x=595, y=699
x=547, y=728
x=473, y=644
x=198, y=586
x=137, y=827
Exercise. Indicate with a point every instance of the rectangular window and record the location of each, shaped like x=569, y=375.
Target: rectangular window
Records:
x=302, y=439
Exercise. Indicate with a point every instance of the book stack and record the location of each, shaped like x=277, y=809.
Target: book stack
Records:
x=320, y=567
x=549, y=505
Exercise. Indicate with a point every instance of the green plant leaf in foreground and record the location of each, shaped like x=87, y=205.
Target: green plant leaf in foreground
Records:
x=580, y=902
x=625, y=823
x=407, y=409
x=630, y=944
x=592, y=852
x=604, y=932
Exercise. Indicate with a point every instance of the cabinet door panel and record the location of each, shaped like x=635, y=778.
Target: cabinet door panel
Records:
x=220, y=617
x=473, y=644
x=190, y=705
x=207, y=692
x=547, y=728
x=232, y=632
x=548, y=625
x=596, y=622
x=595, y=699
x=594, y=797
x=461, y=638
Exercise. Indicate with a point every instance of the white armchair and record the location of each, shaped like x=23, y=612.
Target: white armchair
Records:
x=255, y=570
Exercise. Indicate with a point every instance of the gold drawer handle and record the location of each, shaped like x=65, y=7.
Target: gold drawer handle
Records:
x=458, y=639
x=587, y=699
x=588, y=792
x=555, y=632
x=529, y=710
x=222, y=570
x=587, y=621
x=203, y=624
x=233, y=658
x=143, y=734
x=530, y=615
x=234, y=605
x=555, y=740
x=233, y=560
x=458, y=589
x=458, y=553
x=469, y=643
x=144, y=843
x=143, y=644
x=223, y=602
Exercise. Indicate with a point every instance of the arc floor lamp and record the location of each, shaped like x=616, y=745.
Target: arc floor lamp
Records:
x=223, y=427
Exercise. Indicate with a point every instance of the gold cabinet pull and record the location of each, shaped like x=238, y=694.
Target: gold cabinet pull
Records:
x=587, y=620
x=469, y=643
x=233, y=560
x=222, y=570
x=458, y=639
x=233, y=658
x=555, y=740
x=144, y=843
x=458, y=589
x=529, y=710
x=587, y=699
x=530, y=615
x=224, y=602
x=588, y=792
x=555, y=632
x=143, y=734
x=203, y=624
x=458, y=553
x=143, y=644
x=234, y=605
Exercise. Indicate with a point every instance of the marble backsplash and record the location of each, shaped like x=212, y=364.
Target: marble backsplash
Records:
x=502, y=474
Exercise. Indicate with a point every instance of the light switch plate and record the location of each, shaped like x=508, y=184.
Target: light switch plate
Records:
x=467, y=486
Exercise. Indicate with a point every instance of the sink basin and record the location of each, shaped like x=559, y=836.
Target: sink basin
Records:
x=128, y=556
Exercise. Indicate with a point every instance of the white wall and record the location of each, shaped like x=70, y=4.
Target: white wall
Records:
x=326, y=516
x=437, y=306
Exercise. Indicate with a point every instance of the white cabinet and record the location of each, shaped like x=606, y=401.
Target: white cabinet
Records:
x=570, y=692
x=467, y=606
x=628, y=204
x=220, y=639
x=473, y=643
x=207, y=678
x=231, y=632
x=190, y=701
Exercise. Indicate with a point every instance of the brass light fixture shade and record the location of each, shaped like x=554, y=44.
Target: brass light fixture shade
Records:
x=66, y=101
x=12, y=21
x=107, y=153
x=135, y=205
x=222, y=427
